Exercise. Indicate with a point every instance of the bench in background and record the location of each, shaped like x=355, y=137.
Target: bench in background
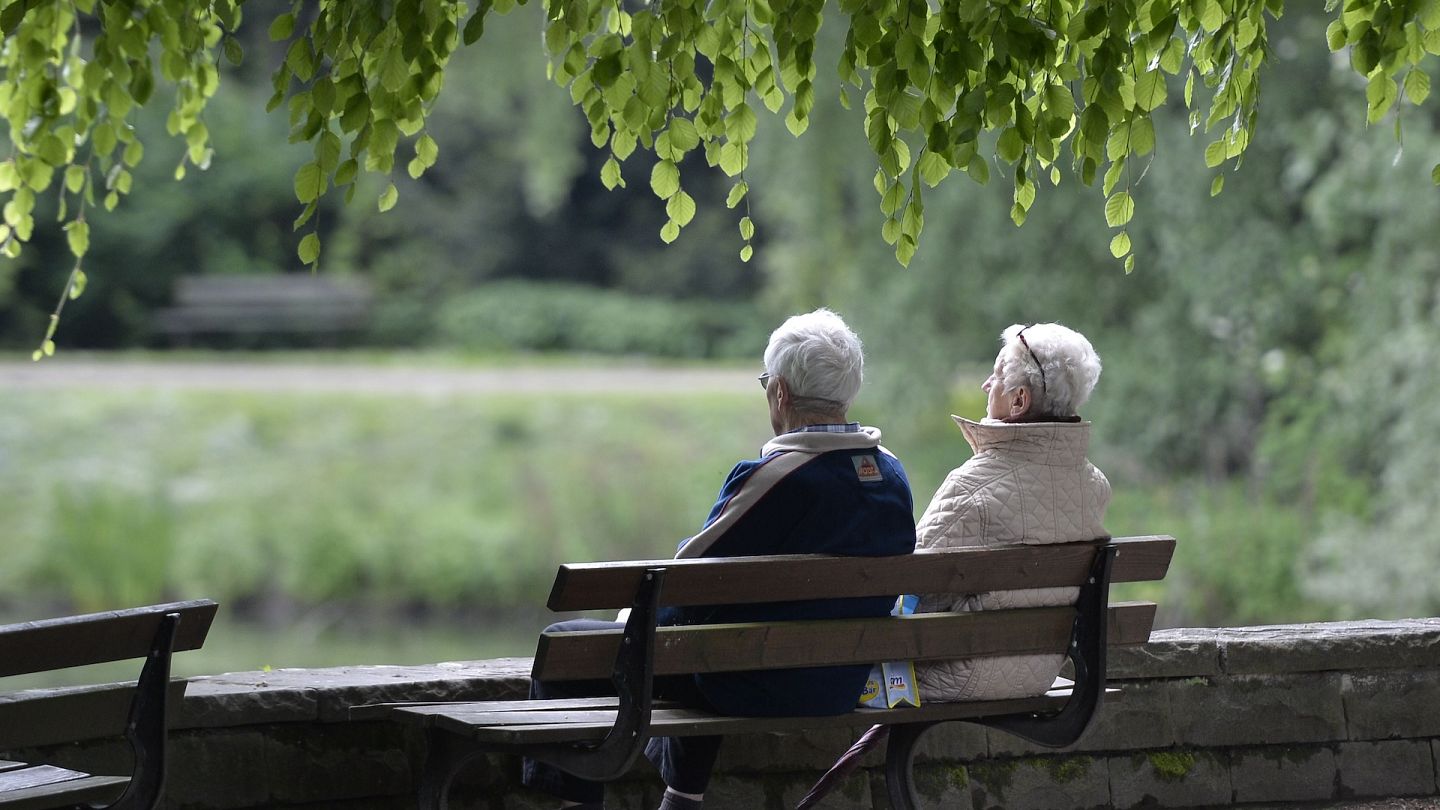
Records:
x=152, y=633
x=600, y=738
x=249, y=307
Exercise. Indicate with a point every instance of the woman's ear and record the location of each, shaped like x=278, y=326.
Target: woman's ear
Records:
x=1020, y=403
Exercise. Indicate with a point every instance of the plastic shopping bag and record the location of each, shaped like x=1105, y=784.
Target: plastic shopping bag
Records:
x=892, y=683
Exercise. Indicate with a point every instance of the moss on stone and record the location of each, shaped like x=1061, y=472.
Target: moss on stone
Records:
x=1172, y=766
x=1066, y=769
x=995, y=776
x=933, y=782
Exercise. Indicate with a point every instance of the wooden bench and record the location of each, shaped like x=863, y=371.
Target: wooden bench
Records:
x=258, y=306
x=152, y=633
x=600, y=738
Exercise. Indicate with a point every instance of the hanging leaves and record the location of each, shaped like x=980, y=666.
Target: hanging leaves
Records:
x=1038, y=89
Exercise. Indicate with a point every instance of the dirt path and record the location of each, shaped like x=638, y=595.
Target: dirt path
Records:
x=313, y=375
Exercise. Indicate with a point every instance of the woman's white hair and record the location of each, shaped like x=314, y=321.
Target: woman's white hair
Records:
x=1070, y=366
x=819, y=357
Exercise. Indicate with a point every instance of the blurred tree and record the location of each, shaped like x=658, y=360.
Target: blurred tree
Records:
x=675, y=80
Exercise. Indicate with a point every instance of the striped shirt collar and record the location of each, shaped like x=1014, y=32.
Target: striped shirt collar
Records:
x=848, y=427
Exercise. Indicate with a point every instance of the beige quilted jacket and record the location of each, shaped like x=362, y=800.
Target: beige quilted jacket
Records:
x=1026, y=483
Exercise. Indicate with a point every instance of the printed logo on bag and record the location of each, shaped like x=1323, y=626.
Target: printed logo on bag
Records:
x=872, y=691
x=866, y=468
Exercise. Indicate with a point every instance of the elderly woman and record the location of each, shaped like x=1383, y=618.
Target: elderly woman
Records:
x=1028, y=482
x=822, y=485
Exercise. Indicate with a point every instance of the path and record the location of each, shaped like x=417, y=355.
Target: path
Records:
x=345, y=376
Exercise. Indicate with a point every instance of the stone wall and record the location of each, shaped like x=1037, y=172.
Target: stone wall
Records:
x=1297, y=713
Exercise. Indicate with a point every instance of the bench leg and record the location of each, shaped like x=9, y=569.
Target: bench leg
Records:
x=445, y=756
x=634, y=679
x=900, y=764
x=146, y=729
x=1087, y=653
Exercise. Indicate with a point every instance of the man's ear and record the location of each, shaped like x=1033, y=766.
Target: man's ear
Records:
x=1020, y=403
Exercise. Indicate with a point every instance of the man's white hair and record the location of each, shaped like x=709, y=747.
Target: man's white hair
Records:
x=819, y=357
x=1071, y=366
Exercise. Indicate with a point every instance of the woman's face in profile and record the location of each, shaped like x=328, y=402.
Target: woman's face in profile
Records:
x=995, y=405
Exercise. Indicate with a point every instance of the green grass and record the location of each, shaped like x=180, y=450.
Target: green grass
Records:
x=346, y=520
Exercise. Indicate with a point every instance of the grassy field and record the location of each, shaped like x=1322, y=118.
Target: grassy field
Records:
x=347, y=528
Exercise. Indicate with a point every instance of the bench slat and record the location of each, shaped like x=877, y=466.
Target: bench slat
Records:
x=96, y=638
x=45, y=786
x=734, y=647
x=746, y=580
x=474, y=721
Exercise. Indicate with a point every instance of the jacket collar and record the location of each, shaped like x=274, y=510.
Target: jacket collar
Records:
x=815, y=443
x=1050, y=443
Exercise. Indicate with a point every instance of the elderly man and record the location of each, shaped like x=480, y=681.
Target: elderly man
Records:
x=1027, y=482
x=823, y=485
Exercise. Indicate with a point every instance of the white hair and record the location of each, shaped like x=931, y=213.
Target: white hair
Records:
x=1068, y=370
x=819, y=357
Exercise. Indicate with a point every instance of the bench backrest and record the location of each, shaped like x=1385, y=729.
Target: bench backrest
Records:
x=97, y=638
x=779, y=645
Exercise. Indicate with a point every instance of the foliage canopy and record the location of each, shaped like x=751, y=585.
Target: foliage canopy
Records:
x=1038, y=88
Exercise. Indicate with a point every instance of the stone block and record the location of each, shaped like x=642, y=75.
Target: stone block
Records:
x=732, y=792
x=1257, y=710
x=1435, y=753
x=1137, y=718
x=950, y=743
x=1179, y=653
x=1173, y=778
x=1394, y=704
x=852, y=793
x=814, y=750
x=218, y=769
x=1386, y=769
x=1041, y=783
x=1283, y=774
x=1330, y=646
x=937, y=785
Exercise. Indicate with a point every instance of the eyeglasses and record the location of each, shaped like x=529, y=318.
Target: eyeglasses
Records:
x=1038, y=365
x=764, y=380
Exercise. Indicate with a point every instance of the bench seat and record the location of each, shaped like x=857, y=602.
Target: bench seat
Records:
x=600, y=738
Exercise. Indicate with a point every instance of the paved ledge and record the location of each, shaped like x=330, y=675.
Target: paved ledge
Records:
x=1208, y=716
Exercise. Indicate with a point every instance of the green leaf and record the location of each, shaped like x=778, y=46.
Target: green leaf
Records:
x=327, y=152
x=610, y=174
x=1119, y=209
x=1150, y=90
x=309, y=182
x=665, y=179
x=740, y=124
x=890, y=231
x=475, y=26
x=1215, y=153
x=732, y=158
x=309, y=250
x=1142, y=136
x=282, y=27
x=234, y=53
x=1010, y=146
x=747, y=229
x=77, y=234
x=78, y=285
x=388, y=197
x=670, y=232
x=680, y=208
x=1417, y=86
x=1120, y=244
x=75, y=178
x=1217, y=185
x=746, y=253
x=737, y=193
x=683, y=135
x=933, y=168
x=1335, y=35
